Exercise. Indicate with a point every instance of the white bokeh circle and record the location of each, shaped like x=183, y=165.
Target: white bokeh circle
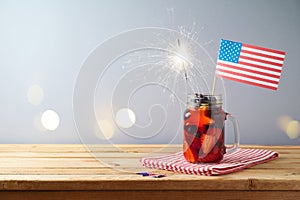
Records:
x=125, y=118
x=50, y=120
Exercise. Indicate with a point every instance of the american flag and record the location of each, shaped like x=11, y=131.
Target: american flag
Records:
x=249, y=64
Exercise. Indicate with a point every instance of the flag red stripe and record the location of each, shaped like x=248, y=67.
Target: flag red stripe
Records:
x=261, y=61
x=248, y=82
x=248, y=70
x=263, y=55
x=259, y=66
x=248, y=76
x=263, y=49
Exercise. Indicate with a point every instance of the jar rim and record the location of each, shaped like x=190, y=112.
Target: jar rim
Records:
x=207, y=95
x=197, y=100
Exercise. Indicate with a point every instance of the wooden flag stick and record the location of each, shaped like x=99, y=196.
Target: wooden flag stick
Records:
x=214, y=85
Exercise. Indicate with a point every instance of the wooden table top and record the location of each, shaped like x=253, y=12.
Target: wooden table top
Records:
x=74, y=167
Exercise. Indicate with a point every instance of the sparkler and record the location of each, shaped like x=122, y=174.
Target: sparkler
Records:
x=183, y=66
x=172, y=60
x=182, y=63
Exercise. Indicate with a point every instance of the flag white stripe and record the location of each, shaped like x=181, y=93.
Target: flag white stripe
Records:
x=247, y=73
x=261, y=57
x=249, y=67
x=264, y=52
x=260, y=63
x=247, y=79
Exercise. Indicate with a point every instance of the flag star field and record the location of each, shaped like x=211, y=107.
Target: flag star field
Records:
x=230, y=51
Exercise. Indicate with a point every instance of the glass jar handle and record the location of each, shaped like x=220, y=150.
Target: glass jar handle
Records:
x=236, y=132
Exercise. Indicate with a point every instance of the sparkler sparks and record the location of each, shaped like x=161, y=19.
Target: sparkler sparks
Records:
x=179, y=59
x=168, y=59
x=182, y=62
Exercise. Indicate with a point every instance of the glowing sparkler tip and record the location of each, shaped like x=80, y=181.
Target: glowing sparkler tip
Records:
x=181, y=60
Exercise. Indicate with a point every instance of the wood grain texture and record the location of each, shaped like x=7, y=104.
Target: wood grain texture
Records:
x=74, y=171
x=142, y=195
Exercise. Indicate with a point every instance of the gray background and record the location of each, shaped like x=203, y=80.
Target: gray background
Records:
x=46, y=42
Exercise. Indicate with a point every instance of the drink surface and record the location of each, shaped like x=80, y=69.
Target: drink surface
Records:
x=203, y=139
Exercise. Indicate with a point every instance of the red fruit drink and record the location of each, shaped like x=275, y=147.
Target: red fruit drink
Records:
x=204, y=119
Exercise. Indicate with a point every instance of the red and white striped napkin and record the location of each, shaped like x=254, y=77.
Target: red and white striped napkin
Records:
x=233, y=162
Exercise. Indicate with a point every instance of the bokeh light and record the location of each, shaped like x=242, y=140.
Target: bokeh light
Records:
x=50, y=120
x=107, y=130
x=293, y=129
x=125, y=118
x=37, y=123
x=283, y=121
x=35, y=95
x=290, y=126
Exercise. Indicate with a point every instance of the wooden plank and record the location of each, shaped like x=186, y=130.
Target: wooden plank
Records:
x=71, y=167
x=251, y=172
x=60, y=171
x=85, y=148
x=141, y=195
x=140, y=148
x=103, y=154
x=128, y=181
x=113, y=162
